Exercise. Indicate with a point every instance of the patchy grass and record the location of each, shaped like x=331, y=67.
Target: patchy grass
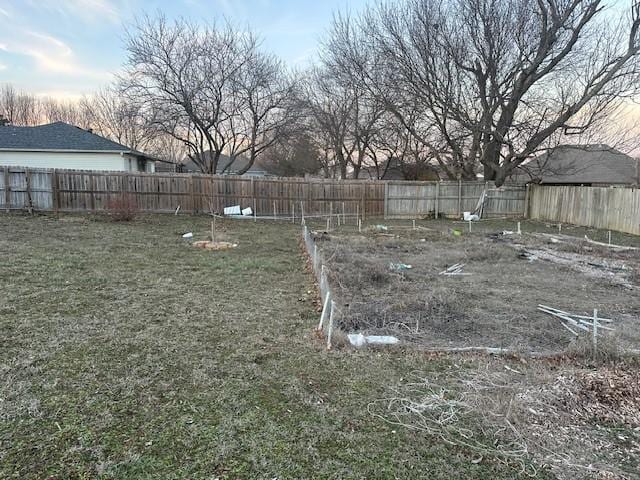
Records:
x=127, y=353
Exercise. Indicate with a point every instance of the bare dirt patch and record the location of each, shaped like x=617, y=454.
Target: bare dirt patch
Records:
x=494, y=305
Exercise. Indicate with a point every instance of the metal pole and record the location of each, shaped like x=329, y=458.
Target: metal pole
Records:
x=595, y=331
x=330, y=332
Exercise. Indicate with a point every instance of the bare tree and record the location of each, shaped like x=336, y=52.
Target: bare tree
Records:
x=209, y=87
x=19, y=108
x=495, y=79
x=111, y=115
x=330, y=105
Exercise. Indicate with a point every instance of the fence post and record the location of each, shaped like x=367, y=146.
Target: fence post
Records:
x=459, y=197
x=54, y=191
x=437, y=198
x=7, y=190
x=192, y=198
x=92, y=187
x=27, y=177
x=253, y=194
x=595, y=332
x=331, y=320
x=386, y=199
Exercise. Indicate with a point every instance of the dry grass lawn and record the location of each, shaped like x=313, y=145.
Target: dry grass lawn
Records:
x=127, y=353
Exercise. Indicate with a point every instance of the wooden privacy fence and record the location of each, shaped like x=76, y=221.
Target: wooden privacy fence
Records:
x=80, y=190
x=451, y=199
x=612, y=208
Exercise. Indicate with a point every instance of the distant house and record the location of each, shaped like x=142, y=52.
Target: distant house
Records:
x=225, y=167
x=393, y=169
x=588, y=165
x=60, y=145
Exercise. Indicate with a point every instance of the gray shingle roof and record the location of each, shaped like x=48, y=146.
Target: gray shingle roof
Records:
x=226, y=165
x=56, y=136
x=583, y=164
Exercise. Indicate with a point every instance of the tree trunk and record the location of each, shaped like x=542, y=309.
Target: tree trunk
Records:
x=489, y=173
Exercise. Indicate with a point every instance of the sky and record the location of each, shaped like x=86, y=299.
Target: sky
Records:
x=67, y=48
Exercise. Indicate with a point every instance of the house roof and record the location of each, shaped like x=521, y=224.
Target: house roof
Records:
x=226, y=165
x=58, y=136
x=582, y=164
x=389, y=169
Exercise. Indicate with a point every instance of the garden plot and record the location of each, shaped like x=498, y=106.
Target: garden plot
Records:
x=445, y=288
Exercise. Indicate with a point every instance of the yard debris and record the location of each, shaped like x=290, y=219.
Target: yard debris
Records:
x=613, y=270
x=234, y=210
x=214, y=246
x=359, y=340
x=470, y=217
x=578, y=321
x=616, y=247
x=188, y=235
x=398, y=267
x=247, y=212
x=454, y=270
x=381, y=228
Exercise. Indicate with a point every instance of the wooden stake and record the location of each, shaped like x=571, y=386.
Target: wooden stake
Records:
x=559, y=228
x=293, y=212
x=519, y=231
x=359, y=225
x=302, y=212
x=275, y=214
x=328, y=223
x=469, y=226
x=609, y=237
x=414, y=224
x=344, y=215
x=213, y=229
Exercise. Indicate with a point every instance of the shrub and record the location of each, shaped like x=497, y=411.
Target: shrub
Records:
x=122, y=208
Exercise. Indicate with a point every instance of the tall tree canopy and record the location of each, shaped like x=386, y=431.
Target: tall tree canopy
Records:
x=490, y=82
